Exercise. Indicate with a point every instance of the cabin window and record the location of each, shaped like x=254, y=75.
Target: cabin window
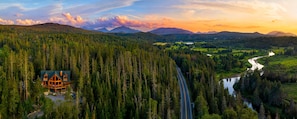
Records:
x=65, y=77
x=45, y=77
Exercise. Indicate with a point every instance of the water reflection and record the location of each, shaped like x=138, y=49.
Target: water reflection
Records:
x=228, y=84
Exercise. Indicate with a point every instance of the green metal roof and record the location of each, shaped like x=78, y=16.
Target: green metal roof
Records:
x=51, y=73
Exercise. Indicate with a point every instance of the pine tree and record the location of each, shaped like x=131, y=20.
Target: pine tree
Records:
x=201, y=106
x=224, y=104
x=262, y=112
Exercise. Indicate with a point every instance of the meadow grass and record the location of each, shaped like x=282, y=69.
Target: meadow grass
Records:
x=200, y=49
x=208, y=50
x=173, y=47
x=287, y=61
x=278, y=50
x=160, y=43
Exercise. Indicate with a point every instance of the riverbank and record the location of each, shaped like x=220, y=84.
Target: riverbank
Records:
x=255, y=64
x=230, y=81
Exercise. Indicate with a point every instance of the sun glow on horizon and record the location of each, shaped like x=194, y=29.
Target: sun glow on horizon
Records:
x=197, y=16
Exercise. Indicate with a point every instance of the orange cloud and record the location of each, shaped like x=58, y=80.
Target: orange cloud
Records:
x=73, y=20
x=27, y=22
x=3, y=21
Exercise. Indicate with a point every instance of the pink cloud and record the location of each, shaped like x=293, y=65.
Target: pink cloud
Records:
x=3, y=21
x=27, y=22
x=61, y=20
x=78, y=20
x=121, y=21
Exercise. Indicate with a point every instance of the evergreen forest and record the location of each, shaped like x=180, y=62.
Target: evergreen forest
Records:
x=112, y=77
x=125, y=76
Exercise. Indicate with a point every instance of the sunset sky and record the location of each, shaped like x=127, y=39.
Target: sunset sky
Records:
x=194, y=15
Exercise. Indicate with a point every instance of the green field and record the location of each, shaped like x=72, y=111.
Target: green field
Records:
x=198, y=46
x=281, y=63
x=278, y=50
x=291, y=90
x=287, y=61
x=160, y=43
x=205, y=50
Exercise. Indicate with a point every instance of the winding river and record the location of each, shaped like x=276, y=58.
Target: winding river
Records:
x=229, y=82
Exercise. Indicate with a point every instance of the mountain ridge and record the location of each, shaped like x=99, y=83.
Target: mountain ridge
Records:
x=180, y=34
x=49, y=27
x=124, y=29
x=104, y=30
x=280, y=33
x=167, y=31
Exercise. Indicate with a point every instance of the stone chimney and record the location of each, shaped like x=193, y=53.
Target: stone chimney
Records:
x=61, y=73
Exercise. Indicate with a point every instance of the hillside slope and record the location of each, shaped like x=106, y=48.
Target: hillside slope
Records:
x=46, y=27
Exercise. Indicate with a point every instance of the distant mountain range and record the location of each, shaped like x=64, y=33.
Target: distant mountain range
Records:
x=159, y=31
x=225, y=35
x=279, y=33
x=124, y=29
x=182, y=32
x=209, y=32
x=160, y=34
x=237, y=34
x=104, y=30
x=167, y=31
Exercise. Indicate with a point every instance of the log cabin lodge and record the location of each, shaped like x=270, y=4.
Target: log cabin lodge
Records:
x=55, y=81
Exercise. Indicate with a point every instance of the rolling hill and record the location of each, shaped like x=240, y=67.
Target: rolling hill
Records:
x=46, y=27
x=167, y=31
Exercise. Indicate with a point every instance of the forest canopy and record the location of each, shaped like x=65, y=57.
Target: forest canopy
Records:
x=113, y=77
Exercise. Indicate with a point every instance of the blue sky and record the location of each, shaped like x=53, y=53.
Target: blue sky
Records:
x=195, y=15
